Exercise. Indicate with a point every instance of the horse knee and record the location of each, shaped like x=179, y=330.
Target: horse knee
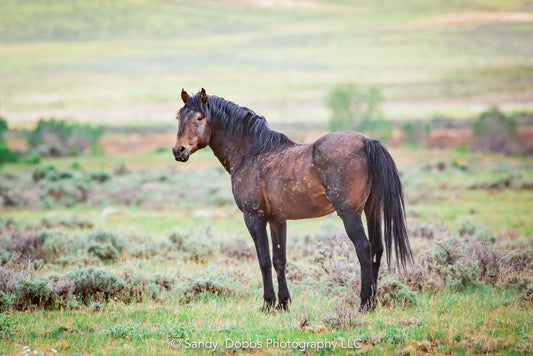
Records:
x=279, y=264
x=265, y=265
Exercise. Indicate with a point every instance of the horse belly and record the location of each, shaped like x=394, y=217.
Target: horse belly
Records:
x=303, y=200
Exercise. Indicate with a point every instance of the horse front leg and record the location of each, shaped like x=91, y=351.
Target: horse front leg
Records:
x=256, y=225
x=278, y=231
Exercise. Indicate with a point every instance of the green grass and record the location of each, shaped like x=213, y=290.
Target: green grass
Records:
x=125, y=62
x=478, y=318
x=474, y=321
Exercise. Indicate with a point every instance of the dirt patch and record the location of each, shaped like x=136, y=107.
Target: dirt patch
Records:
x=443, y=138
x=136, y=143
x=474, y=18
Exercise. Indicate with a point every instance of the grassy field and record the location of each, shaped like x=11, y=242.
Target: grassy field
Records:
x=122, y=62
x=176, y=265
x=133, y=253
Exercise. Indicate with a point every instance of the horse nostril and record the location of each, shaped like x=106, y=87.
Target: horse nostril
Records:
x=181, y=149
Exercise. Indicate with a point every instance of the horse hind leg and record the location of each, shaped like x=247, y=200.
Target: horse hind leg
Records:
x=356, y=233
x=376, y=242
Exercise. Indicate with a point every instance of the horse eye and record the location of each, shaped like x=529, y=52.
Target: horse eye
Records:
x=200, y=118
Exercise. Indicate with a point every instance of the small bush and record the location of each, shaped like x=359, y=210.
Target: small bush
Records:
x=346, y=315
x=36, y=292
x=40, y=172
x=416, y=132
x=3, y=129
x=239, y=249
x=197, y=244
x=94, y=284
x=6, y=155
x=496, y=132
x=527, y=295
x=107, y=236
x=59, y=137
x=101, y=177
x=394, y=293
x=353, y=107
x=61, y=285
x=218, y=285
x=21, y=246
x=7, y=280
x=104, y=251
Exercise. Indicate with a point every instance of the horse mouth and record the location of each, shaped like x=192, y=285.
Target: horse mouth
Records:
x=182, y=158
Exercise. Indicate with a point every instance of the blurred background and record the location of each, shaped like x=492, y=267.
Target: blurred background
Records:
x=123, y=63
x=89, y=189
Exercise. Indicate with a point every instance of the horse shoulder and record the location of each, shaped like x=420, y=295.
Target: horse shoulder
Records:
x=246, y=185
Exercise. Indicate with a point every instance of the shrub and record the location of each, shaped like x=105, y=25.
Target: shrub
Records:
x=104, y=251
x=393, y=292
x=6, y=155
x=496, y=132
x=449, y=261
x=59, y=137
x=107, y=236
x=94, y=284
x=138, y=288
x=101, y=177
x=36, y=292
x=416, y=132
x=239, y=249
x=7, y=280
x=346, y=315
x=527, y=296
x=21, y=246
x=218, y=285
x=353, y=107
x=198, y=244
x=61, y=285
x=40, y=172
x=3, y=128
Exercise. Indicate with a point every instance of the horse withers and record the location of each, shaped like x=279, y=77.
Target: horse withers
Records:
x=274, y=179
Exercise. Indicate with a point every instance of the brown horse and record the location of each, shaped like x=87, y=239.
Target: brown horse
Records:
x=274, y=180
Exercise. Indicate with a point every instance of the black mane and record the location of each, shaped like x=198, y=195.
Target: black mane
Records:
x=240, y=121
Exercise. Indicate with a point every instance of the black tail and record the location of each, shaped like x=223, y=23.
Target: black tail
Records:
x=386, y=194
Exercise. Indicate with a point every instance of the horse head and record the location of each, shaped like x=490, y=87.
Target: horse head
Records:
x=194, y=125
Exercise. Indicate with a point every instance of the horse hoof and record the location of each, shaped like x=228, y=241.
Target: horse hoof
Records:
x=268, y=307
x=367, y=307
x=283, y=307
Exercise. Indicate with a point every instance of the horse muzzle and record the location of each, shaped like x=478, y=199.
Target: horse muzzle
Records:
x=181, y=154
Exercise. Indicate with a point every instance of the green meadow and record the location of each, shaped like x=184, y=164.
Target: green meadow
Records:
x=125, y=62
x=134, y=253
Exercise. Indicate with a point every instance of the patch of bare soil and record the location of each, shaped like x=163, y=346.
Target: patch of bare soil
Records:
x=443, y=138
x=474, y=18
x=136, y=143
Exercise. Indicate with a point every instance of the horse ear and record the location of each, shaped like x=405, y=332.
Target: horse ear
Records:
x=184, y=96
x=203, y=96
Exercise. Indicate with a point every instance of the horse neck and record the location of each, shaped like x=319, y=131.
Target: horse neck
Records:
x=230, y=149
